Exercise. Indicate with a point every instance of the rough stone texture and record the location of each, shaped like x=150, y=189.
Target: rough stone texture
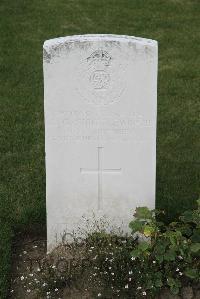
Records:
x=100, y=130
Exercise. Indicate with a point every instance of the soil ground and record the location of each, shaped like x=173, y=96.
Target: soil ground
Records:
x=28, y=253
x=27, y=256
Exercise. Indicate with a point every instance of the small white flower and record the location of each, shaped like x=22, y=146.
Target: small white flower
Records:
x=112, y=273
x=99, y=295
x=44, y=284
x=130, y=272
x=28, y=291
x=92, y=247
x=180, y=257
x=35, y=246
x=154, y=262
x=31, y=274
x=24, y=252
x=130, y=279
x=144, y=293
x=180, y=273
x=48, y=293
x=139, y=288
x=12, y=291
x=110, y=268
x=177, y=269
x=56, y=290
x=38, y=269
x=22, y=278
x=53, y=267
x=126, y=286
x=133, y=258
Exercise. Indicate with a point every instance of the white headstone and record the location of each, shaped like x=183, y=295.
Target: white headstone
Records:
x=100, y=130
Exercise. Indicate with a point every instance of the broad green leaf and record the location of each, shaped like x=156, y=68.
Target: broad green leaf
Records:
x=148, y=230
x=185, y=230
x=160, y=248
x=135, y=253
x=136, y=226
x=171, y=281
x=195, y=247
x=191, y=273
x=174, y=237
x=170, y=255
x=196, y=236
x=143, y=246
x=143, y=213
x=187, y=216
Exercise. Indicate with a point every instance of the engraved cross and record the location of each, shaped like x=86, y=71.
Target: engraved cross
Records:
x=100, y=171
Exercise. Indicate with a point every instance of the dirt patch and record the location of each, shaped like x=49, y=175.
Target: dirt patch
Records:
x=27, y=255
x=27, y=258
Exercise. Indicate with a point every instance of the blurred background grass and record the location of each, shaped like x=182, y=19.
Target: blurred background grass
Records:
x=24, y=26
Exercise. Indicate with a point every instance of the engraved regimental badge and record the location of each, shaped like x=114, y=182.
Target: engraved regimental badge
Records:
x=101, y=79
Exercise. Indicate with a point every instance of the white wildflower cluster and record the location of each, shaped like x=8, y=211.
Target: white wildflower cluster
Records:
x=47, y=281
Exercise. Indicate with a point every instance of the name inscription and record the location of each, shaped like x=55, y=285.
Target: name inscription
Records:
x=66, y=126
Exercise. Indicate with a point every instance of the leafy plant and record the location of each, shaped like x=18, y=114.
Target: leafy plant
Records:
x=173, y=251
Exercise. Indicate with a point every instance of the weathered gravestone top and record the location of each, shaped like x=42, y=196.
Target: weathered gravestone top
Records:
x=100, y=129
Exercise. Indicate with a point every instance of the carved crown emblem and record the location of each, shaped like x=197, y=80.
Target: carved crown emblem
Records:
x=99, y=57
x=100, y=80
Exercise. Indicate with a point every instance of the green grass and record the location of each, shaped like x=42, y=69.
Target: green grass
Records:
x=24, y=26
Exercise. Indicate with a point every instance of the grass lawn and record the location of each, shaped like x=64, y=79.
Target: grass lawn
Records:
x=24, y=25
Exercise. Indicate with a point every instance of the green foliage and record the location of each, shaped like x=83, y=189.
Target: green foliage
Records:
x=172, y=250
